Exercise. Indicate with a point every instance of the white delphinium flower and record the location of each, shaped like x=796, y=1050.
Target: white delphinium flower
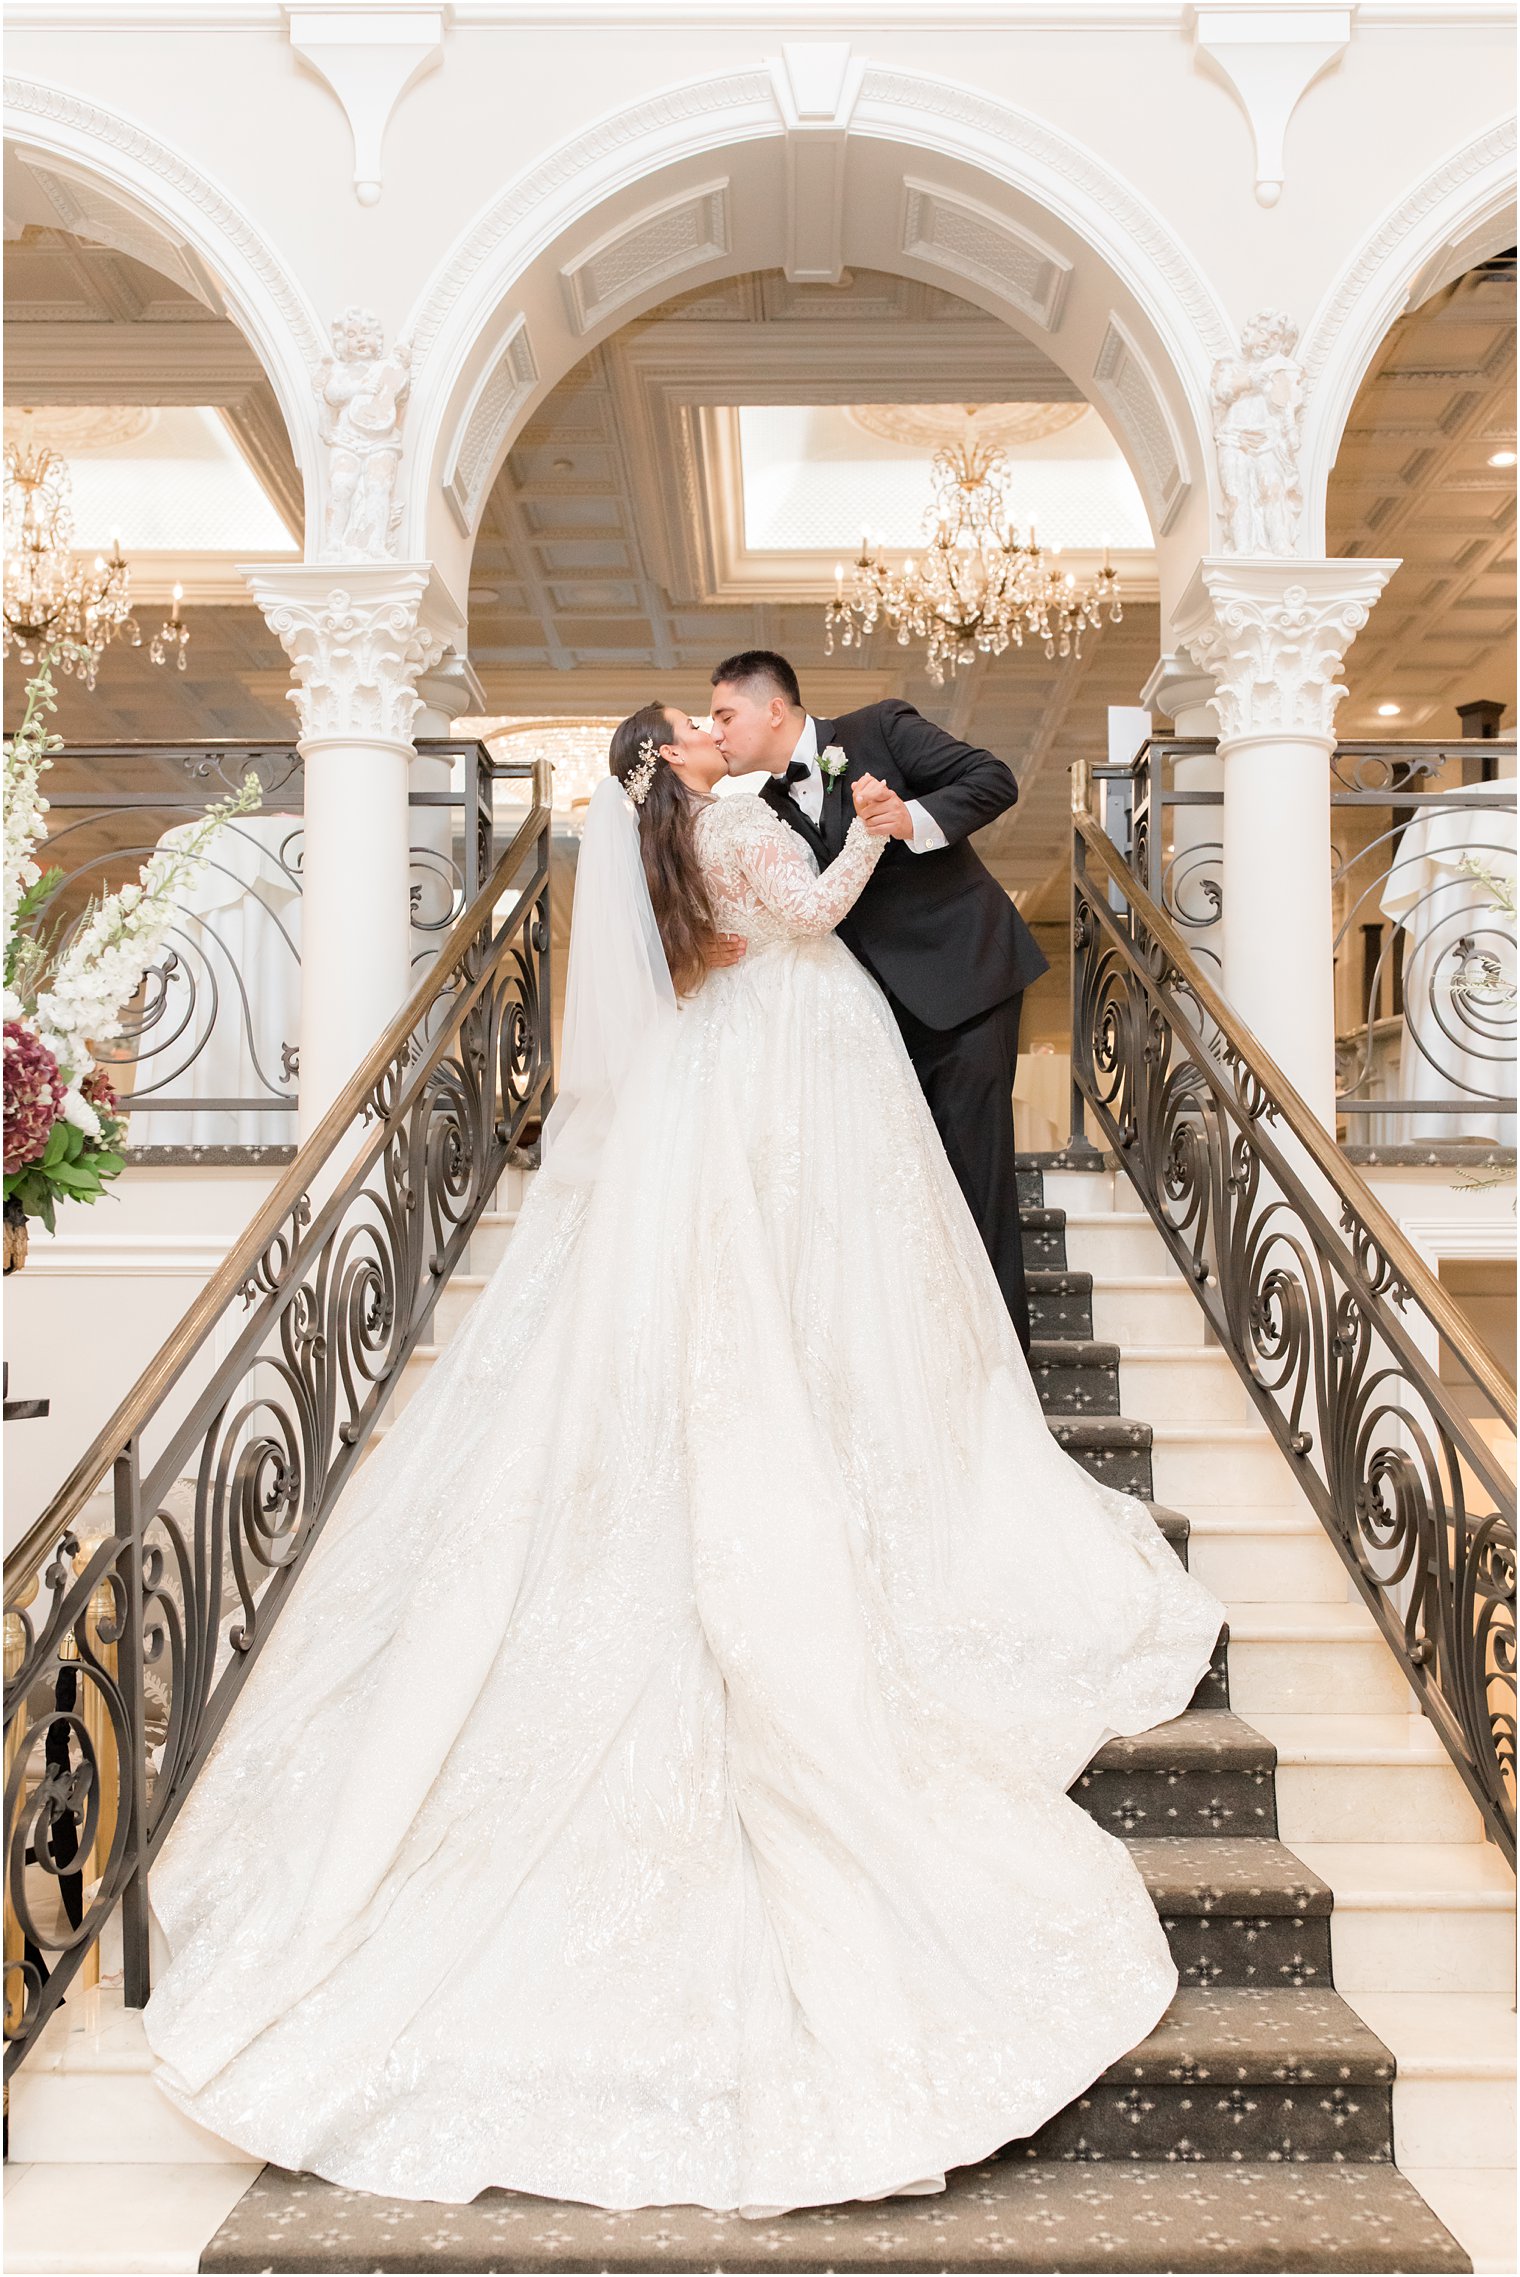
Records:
x=26, y=760
x=100, y=968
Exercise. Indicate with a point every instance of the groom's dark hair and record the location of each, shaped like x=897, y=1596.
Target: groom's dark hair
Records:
x=753, y=664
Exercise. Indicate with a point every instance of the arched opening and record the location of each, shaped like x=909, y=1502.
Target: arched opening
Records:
x=134, y=356
x=687, y=490
x=1424, y=827
x=883, y=172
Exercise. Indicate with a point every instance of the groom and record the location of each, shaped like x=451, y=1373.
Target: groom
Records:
x=933, y=927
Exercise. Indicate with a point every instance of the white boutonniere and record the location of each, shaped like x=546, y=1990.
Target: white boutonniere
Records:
x=832, y=763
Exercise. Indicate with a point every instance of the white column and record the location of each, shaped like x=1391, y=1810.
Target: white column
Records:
x=352, y=634
x=1185, y=693
x=1272, y=633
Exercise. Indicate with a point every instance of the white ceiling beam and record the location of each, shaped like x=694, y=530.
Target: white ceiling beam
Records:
x=178, y=362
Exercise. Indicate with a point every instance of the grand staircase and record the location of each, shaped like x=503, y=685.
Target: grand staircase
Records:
x=1343, y=1935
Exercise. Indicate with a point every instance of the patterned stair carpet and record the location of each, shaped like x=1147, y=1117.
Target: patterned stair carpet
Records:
x=1252, y=2130
x=1003, y=2216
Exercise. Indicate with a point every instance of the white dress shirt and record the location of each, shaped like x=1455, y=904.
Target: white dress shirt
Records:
x=927, y=835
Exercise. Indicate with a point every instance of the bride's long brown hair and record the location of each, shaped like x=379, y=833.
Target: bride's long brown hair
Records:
x=667, y=841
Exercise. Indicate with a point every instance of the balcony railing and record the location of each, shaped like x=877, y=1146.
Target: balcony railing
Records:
x=209, y=1055
x=1424, y=948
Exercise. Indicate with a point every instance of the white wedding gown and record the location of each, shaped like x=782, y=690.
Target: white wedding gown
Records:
x=654, y=1789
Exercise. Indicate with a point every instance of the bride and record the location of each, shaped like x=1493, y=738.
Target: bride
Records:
x=654, y=1791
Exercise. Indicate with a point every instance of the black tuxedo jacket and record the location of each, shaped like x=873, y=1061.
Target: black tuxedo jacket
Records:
x=937, y=930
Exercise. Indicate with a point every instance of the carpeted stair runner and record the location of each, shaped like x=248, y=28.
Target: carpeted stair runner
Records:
x=1252, y=2130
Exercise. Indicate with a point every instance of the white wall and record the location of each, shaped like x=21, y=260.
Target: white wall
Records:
x=96, y=1300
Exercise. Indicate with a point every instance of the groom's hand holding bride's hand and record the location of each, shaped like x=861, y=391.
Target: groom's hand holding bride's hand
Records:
x=880, y=808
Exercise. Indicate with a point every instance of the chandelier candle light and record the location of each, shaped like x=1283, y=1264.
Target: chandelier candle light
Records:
x=976, y=588
x=56, y=604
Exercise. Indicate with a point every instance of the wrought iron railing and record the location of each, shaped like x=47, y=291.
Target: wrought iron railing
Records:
x=1424, y=948
x=136, y=1604
x=208, y=1054
x=1398, y=1424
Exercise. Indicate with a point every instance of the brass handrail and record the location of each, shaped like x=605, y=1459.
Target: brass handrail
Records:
x=1321, y=1303
x=1295, y=1113
x=183, y=1341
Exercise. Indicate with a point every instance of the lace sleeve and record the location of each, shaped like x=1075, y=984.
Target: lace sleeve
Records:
x=781, y=875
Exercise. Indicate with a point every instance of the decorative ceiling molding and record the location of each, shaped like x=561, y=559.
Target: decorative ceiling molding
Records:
x=368, y=58
x=1490, y=151
x=487, y=421
x=488, y=269
x=86, y=212
x=1127, y=385
x=816, y=83
x=76, y=362
x=661, y=380
x=537, y=190
x=948, y=231
x=1269, y=58
x=146, y=363
x=656, y=246
x=28, y=99
x=934, y=426
x=1462, y=211
x=1134, y=222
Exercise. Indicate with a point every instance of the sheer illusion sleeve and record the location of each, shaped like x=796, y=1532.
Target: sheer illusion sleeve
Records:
x=784, y=879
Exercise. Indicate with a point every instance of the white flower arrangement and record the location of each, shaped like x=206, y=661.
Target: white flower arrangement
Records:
x=832, y=762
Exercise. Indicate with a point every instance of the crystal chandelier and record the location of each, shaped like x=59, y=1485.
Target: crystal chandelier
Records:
x=976, y=588
x=56, y=600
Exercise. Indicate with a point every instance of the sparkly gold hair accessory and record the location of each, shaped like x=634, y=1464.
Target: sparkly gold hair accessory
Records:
x=638, y=779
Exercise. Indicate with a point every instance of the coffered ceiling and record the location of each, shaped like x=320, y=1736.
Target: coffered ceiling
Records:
x=1413, y=477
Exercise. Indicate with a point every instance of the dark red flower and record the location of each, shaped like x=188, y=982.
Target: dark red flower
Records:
x=33, y=1095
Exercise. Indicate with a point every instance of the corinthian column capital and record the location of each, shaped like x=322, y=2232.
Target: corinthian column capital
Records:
x=1272, y=632
x=356, y=642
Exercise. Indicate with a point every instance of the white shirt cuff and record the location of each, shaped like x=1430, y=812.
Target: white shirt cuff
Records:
x=927, y=835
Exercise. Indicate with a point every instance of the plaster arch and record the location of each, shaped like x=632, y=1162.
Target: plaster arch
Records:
x=160, y=187
x=713, y=178
x=1461, y=213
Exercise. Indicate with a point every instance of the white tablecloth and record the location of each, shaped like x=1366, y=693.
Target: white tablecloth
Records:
x=1455, y=1045
x=238, y=933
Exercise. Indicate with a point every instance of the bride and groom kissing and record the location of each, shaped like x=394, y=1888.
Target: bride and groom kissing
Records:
x=940, y=937
x=655, y=1788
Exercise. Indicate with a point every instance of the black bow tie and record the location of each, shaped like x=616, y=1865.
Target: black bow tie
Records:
x=797, y=772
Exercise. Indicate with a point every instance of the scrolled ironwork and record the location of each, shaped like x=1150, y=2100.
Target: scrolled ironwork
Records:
x=223, y=1463
x=202, y=1043
x=1334, y=1324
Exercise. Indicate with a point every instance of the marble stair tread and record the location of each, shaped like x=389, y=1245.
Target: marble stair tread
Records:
x=1251, y=2032
x=1452, y=1874
x=1308, y=1621
x=1326, y=1737
x=1251, y=1874
x=1208, y=1739
x=1443, y=2035
x=1005, y=2214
